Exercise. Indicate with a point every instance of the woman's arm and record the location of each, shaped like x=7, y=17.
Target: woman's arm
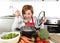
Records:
x=44, y=19
x=16, y=20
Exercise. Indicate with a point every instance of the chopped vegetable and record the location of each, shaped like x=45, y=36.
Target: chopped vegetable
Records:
x=9, y=36
x=33, y=39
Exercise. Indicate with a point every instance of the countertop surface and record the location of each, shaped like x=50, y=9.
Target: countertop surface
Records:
x=51, y=41
x=55, y=37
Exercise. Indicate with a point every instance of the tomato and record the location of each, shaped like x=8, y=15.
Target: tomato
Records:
x=38, y=39
x=46, y=41
x=40, y=42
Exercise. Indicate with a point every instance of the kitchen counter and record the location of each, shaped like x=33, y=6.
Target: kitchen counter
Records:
x=49, y=40
x=5, y=24
x=55, y=37
x=6, y=17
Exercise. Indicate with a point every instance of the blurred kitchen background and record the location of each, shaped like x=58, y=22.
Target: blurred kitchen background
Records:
x=8, y=8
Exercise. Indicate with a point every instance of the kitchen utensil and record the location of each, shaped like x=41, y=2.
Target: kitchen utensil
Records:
x=28, y=31
x=41, y=17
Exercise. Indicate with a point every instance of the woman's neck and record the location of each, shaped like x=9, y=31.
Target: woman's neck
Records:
x=28, y=19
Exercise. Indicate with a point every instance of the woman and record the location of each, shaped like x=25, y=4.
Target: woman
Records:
x=27, y=18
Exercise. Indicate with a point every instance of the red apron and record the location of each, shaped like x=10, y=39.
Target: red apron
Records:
x=30, y=24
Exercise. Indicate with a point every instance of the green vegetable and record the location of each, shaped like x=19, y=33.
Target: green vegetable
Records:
x=33, y=39
x=9, y=36
x=43, y=34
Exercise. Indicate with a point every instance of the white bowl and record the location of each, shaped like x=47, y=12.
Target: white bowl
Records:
x=13, y=40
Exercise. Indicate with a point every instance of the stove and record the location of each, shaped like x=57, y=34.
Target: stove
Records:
x=53, y=27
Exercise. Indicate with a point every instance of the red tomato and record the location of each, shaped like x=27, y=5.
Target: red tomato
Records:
x=38, y=39
x=46, y=41
x=40, y=42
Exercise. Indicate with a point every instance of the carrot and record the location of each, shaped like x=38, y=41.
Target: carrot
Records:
x=24, y=37
x=25, y=40
x=21, y=41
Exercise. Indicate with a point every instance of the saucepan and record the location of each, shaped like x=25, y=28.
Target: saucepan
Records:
x=27, y=31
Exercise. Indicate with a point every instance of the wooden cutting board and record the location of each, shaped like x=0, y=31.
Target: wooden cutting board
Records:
x=55, y=37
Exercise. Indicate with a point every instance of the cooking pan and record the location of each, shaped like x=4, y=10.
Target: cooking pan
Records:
x=28, y=31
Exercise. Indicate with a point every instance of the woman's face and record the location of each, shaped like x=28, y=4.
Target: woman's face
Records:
x=28, y=15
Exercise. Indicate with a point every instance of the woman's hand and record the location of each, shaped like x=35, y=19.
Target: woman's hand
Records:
x=17, y=13
x=44, y=19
